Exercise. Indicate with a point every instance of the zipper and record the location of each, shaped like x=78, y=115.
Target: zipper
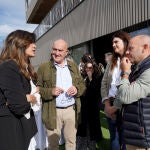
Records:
x=141, y=117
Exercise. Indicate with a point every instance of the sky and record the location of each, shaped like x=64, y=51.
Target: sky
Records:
x=13, y=17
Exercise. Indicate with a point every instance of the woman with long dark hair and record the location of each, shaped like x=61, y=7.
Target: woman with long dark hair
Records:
x=17, y=122
x=89, y=131
x=111, y=78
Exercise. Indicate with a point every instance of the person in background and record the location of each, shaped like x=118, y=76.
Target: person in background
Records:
x=109, y=84
x=61, y=86
x=108, y=57
x=17, y=122
x=89, y=131
x=134, y=94
x=84, y=59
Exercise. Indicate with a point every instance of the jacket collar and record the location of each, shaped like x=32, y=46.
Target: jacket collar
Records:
x=68, y=62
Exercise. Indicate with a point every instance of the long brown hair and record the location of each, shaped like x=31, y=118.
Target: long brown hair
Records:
x=125, y=37
x=97, y=71
x=14, y=49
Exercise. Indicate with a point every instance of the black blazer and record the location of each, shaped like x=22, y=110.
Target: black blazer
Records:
x=15, y=129
x=90, y=108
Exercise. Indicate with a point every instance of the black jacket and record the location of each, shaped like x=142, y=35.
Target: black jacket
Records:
x=90, y=110
x=15, y=130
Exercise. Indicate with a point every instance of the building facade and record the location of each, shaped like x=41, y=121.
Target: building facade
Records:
x=87, y=25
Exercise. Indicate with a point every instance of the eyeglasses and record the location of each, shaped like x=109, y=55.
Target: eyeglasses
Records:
x=89, y=68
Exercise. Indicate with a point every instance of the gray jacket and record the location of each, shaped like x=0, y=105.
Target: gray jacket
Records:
x=106, y=82
x=129, y=93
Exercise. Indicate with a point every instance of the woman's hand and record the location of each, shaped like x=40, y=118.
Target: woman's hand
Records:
x=31, y=98
x=89, y=73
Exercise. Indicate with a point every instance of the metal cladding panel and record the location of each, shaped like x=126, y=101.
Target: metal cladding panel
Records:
x=148, y=8
x=93, y=19
x=37, y=9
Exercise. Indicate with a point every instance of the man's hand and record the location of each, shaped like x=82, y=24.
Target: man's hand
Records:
x=57, y=91
x=125, y=64
x=72, y=91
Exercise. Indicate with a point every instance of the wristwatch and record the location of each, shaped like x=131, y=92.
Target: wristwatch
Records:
x=124, y=73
